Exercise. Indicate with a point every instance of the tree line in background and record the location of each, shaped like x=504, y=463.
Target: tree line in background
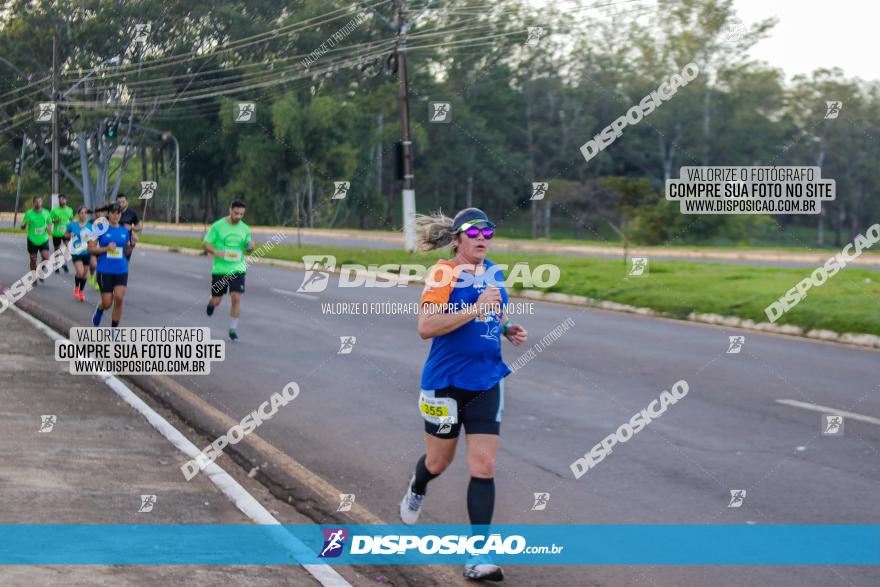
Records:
x=326, y=110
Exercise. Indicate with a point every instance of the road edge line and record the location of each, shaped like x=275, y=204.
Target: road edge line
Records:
x=238, y=495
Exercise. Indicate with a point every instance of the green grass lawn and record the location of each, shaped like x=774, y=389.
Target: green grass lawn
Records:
x=848, y=302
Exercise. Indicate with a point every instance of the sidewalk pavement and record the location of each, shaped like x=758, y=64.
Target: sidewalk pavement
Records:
x=93, y=466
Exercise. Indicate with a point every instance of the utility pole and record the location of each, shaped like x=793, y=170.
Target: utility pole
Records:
x=56, y=139
x=20, y=173
x=408, y=194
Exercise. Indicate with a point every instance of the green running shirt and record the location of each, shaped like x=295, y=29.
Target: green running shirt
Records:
x=37, y=222
x=232, y=240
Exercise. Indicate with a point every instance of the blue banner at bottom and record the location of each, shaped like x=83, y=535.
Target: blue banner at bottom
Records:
x=185, y=544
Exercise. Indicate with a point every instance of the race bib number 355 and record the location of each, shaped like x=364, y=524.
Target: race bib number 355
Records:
x=438, y=410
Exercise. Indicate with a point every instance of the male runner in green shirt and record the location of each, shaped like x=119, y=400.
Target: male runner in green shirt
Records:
x=38, y=223
x=227, y=241
x=61, y=215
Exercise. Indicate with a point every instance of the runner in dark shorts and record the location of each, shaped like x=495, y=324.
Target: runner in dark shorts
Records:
x=78, y=232
x=462, y=310
x=227, y=241
x=38, y=222
x=61, y=215
x=112, y=267
x=130, y=220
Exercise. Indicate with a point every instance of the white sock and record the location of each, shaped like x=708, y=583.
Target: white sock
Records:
x=233, y=324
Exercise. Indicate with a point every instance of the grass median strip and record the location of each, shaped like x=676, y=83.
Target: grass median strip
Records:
x=846, y=303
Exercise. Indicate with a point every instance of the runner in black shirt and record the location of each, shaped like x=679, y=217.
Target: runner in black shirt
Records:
x=129, y=220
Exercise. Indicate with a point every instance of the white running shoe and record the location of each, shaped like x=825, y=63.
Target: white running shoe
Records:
x=411, y=505
x=480, y=568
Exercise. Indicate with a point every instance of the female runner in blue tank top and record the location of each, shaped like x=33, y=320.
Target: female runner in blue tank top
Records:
x=462, y=310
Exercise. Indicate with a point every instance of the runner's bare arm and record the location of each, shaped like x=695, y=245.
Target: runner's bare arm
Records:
x=95, y=249
x=434, y=322
x=210, y=248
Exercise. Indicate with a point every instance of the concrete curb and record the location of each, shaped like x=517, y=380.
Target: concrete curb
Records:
x=869, y=341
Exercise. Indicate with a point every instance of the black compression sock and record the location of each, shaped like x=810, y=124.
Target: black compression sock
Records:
x=423, y=475
x=210, y=309
x=481, y=500
x=114, y=323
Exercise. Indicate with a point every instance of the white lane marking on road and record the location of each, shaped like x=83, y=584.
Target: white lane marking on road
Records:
x=286, y=292
x=247, y=503
x=826, y=410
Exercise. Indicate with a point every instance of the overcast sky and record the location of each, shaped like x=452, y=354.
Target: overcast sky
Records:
x=810, y=33
x=813, y=34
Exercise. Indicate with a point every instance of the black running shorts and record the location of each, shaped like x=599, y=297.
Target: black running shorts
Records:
x=221, y=284
x=34, y=249
x=479, y=411
x=107, y=281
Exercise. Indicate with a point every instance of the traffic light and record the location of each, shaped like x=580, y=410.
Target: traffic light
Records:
x=111, y=128
x=17, y=166
x=398, y=160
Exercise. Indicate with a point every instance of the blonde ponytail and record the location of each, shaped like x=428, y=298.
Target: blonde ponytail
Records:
x=433, y=231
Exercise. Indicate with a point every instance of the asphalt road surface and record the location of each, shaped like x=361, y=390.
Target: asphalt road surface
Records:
x=356, y=423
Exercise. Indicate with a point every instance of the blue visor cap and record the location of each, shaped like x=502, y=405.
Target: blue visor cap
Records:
x=471, y=217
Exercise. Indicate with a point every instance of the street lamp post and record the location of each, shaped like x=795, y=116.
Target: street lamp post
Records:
x=20, y=173
x=167, y=135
